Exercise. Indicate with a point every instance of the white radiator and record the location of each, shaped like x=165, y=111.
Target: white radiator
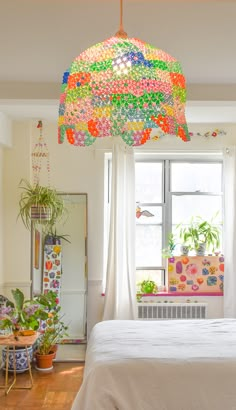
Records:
x=157, y=311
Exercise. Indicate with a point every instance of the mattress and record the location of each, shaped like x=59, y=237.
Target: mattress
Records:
x=161, y=365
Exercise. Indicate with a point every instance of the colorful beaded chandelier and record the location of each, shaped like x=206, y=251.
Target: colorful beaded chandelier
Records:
x=122, y=87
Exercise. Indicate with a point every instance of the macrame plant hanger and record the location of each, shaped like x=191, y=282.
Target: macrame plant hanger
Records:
x=40, y=159
x=40, y=155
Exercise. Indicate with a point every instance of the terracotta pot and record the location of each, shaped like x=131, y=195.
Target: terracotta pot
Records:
x=44, y=361
x=54, y=350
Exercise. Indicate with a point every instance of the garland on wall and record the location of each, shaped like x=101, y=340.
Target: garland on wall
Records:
x=214, y=133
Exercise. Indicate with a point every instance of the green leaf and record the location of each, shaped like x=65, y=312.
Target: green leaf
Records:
x=18, y=298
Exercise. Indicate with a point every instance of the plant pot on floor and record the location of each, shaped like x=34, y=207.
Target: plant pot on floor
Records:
x=20, y=357
x=44, y=362
x=54, y=351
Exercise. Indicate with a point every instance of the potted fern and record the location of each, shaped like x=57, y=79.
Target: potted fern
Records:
x=39, y=204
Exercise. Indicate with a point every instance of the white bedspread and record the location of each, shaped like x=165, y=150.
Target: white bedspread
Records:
x=160, y=365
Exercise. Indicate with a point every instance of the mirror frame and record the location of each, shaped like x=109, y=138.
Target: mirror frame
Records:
x=32, y=255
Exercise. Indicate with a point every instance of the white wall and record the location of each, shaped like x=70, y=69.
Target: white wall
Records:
x=5, y=141
x=73, y=169
x=1, y=219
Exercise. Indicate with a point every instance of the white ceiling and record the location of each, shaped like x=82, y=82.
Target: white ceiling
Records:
x=40, y=38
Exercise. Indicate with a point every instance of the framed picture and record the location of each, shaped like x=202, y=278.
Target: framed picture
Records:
x=36, y=248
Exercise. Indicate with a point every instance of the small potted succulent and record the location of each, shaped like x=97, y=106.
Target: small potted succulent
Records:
x=147, y=286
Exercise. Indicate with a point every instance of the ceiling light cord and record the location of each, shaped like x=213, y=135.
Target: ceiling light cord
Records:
x=121, y=33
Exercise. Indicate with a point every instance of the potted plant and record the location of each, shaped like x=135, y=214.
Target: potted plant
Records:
x=20, y=317
x=147, y=286
x=21, y=314
x=201, y=235
x=53, y=331
x=52, y=237
x=39, y=204
x=168, y=252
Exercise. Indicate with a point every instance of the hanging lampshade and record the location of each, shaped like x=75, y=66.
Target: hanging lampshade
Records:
x=122, y=87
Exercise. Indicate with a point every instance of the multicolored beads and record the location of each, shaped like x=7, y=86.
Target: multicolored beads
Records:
x=122, y=87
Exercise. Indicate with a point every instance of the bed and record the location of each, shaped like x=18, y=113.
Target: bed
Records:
x=160, y=365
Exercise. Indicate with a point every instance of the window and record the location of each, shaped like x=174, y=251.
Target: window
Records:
x=150, y=216
x=170, y=192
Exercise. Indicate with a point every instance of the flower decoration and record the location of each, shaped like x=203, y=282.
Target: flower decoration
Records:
x=212, y=270
x=125, y=87
x=192, y=269
x=215, y=133
x=206, y=262
x=207, y=134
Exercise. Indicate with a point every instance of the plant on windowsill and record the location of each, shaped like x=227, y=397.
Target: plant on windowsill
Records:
x=39, y=204
x=201, y=235
x=169, y=251
x=146, y=287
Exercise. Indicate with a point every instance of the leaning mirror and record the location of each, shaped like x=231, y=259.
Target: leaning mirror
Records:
x=59, y=262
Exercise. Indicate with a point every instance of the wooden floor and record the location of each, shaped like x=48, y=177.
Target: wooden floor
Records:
x=54, y=390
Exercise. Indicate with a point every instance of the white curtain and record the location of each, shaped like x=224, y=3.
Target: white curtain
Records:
x=230, y=232
x=120, y=300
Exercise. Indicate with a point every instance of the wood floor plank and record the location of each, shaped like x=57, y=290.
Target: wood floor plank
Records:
x=55, y=390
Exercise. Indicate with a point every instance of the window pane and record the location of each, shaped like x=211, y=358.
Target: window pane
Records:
x=148, y=182
x=148, y=245
x=148, y=215
x=186, y=206
x=193, y=177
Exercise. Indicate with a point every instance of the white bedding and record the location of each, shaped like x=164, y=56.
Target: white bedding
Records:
x=160, y=365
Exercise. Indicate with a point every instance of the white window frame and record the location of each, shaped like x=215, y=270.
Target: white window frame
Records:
x=167, y=158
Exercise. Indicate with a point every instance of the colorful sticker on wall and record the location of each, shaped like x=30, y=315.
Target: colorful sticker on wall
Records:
x=52, y=269
x=198, y=274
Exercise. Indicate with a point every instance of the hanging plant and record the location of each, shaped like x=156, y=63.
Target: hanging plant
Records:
x=39, y=204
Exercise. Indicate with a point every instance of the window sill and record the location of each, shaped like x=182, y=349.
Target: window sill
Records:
x=180, y=294
x=173, y=294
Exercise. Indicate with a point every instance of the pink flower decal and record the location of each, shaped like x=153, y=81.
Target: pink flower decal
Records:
x=192, y=269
